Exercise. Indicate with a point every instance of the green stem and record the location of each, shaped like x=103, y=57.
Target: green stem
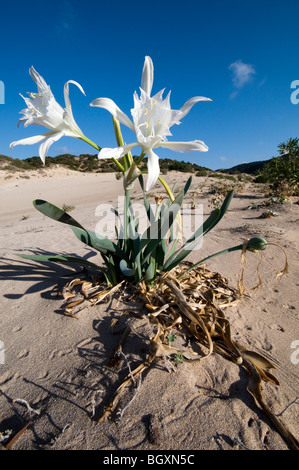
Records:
x=168, y=190
x=90, y=142
x=140, y=158
x=119, y=165
x=128, y=159
x=171, y=196
x=228, y=250
x=126, y=218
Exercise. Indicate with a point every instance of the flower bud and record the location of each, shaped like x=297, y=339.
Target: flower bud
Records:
x=256, y=244
x=147, y=75
x=130, y=176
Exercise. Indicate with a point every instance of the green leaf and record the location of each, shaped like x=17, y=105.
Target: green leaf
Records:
x=198, y=263
x=134, y=239
x=114, y=211
x=98, y=242
x=147, y=205
x=125, y=270
x=150, y=272
x=191, y=243
x=188, y=184
x=55, y=213
x=223, y=208
x=153, y=236
x=175, y=258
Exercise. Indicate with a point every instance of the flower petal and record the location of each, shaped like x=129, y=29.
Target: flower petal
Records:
x=112, y=107
x=185, y=146
x=67, y=95
x=31, y=140
x=69, y=113
x=147, y=78
x=44, y=147
x=116, y=152
x=40, y=82
x=153, y=170
x=191, y=102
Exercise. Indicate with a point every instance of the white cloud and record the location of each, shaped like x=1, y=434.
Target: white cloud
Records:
x=233, y=94
x=242, y=74
x=262, y=82
x=62, y=149
x=66, y=17
x=223, y=159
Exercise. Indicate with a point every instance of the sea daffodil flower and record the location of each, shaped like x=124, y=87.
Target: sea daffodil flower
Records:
x=152, y=119
x=43, y=110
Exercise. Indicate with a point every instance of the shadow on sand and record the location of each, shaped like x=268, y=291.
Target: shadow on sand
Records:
x=45, y=277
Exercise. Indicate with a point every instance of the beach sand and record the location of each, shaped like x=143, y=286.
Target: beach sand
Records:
x=57, y=364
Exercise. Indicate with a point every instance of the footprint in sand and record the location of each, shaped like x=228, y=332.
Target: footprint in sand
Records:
x=6, y=377
x=23, y=353
x=43, y=374
x=60, y=353
x=17, y=328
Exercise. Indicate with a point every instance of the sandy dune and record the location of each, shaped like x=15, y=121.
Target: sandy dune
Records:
x=57, y=364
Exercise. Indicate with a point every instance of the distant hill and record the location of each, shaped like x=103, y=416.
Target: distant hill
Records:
x=83, y=163
x=248, y=168
x=91, y=163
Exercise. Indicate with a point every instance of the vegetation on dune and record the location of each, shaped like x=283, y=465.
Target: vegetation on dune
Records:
x=91, y=163
x=282, y=172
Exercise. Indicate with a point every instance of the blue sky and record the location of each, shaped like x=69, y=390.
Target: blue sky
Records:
x=244, y=55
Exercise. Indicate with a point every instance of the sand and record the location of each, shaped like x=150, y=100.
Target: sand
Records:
x=57, y=364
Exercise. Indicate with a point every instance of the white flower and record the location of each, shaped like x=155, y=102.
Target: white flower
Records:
x=43, y=110
x=152, y=119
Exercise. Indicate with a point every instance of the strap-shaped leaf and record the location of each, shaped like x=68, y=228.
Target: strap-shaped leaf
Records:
x=223, y=208
x=213, y=219
x=102, y=244
x=152, y=237
x=178, y=256
x=98, y=242
x=191, y=243
x=150, y=272
x=55, y=213
x=125, y=270
x=134, y=239
x=147, y=205
x=121, y=227
x=188, y=184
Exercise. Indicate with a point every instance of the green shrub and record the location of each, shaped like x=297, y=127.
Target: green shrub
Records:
x=222, y=176
x=201, y=172
x=282, y=172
